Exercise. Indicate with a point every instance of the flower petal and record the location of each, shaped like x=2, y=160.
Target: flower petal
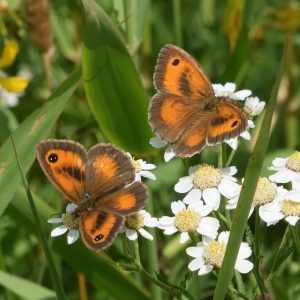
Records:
x=157, y=142
x=283, y=176
x=184, y=237
x=146, y=234
x=243, y=266
x=292, y=220
x=149, y=166
x=184, y=185
x=55, y=220
x=211, y=197
x=192, y=196
x=229, y=171
x=71, y=207
x=131, y=234
x=169, y=154
x=196, y=264
x=73, y=236
x=177, y=206
x=59, y=230
x=148, y=174
x=205, y=269
x=228, y=188
x=170, y=230
x=195, y=251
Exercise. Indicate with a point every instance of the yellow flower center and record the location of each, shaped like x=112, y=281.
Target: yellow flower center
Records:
x=290, y=208
x=214, y=253
x=135, y=221
x=14, y=84
x=207, y=176
x=71, y=221
x=293, y=162
x=266, y=191
x=187, y=220
x=137, y=165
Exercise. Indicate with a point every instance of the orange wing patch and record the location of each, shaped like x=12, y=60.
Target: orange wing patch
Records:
x=126, y=201
x=64, y=164
x=171, y=115
x=227, y=122
x=98, y=228
x=179, y=74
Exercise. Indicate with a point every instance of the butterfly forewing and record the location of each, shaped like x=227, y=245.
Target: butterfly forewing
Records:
x=179, y=74
x=64, y=164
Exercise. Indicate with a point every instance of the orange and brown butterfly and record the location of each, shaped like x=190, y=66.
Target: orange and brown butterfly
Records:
x=185, y=112
x=100, y=181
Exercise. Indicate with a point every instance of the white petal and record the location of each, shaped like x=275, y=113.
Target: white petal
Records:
x=244, y=251
x=71, y=207
x=296, y=184
x=246, y=135
x=209, y=227
x=170, y=230
x=243, y=266
x=177, y=206
x=195, y=251
x=138, y=177
x=199, y=207
x=73, y=236
x=184, y=237
x=270, y=213
x=232, y=203
x=149, y=166
x=146, y=234
x=192, y=196
x=279, y=162
x=230, y=86
x=150, y=222
x=169, y=154
x=282, y=176
x=229, y=171
x=55, y=220
x=184, y=185
x=224, y=236
x=233, y=143
x=292, y=220
x=165, y=221
x=131, y=234
x=193, y=169
x=59, y=230
x=228, y=188
x=196, y=264
x=148, y=174
x=205, y=269
x=211, y=197
x=157, y=142
x=242, y=94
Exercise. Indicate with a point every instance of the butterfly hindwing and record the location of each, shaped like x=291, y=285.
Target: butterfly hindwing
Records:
x=64, y=163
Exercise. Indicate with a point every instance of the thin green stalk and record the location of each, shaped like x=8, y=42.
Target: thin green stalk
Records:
x=230, y=158
x=152, y=258
x=220, y=156
x=177, y=22
x=296, y=237
x=249, y=186
x=281, y=246
x=128, y=11
x=54, y=274
x=186, y=167
x=239, y=282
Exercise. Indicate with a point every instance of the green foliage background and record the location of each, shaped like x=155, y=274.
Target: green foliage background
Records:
x=102, y=70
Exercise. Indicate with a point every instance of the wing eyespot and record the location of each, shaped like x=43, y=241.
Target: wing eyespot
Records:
x=235, y=123
x=52, y=158
x=175, y=62
x=99, y=237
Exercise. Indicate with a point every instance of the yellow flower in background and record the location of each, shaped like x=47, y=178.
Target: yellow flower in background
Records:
x=11, y=88
x=9, y=53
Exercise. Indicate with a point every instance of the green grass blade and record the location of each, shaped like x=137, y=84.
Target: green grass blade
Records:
x=55, y=278
x=112, y=84
x=25, y=289
x=241, y=214
x=35, y=128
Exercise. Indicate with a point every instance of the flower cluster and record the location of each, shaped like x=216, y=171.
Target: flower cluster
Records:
x=11, y=87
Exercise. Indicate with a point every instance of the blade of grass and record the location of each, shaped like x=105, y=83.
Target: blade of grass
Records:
x=54, y=275
x=241, y=214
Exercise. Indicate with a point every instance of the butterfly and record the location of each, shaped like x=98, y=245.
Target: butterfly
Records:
x=100, y=181
x=185, y=112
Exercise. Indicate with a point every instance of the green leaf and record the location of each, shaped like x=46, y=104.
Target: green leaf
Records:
x=101, y=271
x=112, y=84
x=25, y=289
x=34, y=129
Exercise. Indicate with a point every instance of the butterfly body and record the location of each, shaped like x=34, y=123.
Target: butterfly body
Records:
x=185, y=111
x=100, y=181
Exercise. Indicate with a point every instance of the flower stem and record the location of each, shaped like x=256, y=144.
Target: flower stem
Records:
x=295, y=232
x=177, y=22
x=230, y=158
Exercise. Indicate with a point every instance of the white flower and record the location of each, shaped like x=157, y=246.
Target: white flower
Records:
x=134, y=224
x=287, y=169
x=228, y=90
x=233, y=143
x=285, y=206
x=142, y=168
x=266, y=192
x=9, y=99
x=210, y=253
x=208, y=183
x=188, y=220
x=253, y=106
x=158, y=143
x=69, y=224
